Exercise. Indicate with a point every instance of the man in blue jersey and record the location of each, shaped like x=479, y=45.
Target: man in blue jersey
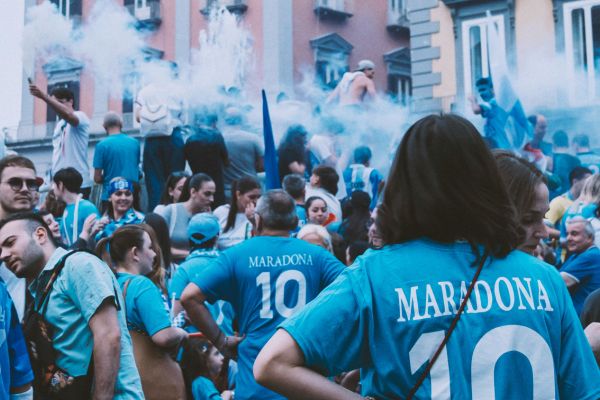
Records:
x=66, y=186
x=266, y=279
x=361, y=176
x=448, y=282
x=581, y=271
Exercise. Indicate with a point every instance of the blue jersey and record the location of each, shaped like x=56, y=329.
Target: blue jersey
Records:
x=519, y=334
x=221, y=311
x=79, y=210
x=266, y=279
x=14, y=359
x=583, y=268
x=145, y=309
x=590, y=160
x=366, y=179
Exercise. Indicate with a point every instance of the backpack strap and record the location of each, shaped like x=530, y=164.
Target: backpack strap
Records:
x=57, y=270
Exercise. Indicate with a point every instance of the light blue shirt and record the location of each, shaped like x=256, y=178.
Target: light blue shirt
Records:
x=266, y=280
x=146, y=310
x=83, y=208
x=198, y=260
x=81, y=287
x=389, y=312
x=117, y=155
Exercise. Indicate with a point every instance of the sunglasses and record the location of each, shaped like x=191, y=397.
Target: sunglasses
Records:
x=16, y=184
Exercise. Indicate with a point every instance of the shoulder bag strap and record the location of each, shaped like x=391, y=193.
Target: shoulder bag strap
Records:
x=59, y=267
x=435, y=356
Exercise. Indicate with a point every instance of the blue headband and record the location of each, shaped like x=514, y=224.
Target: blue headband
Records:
x=120, y=184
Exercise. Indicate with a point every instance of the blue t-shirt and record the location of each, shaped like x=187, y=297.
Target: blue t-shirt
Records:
x=117, y=155
x=198, y=260
x=204, y=389
x=366, y=179
x=301, y=213
x=584, y=268
x=266, y=280
x=14, y=359
x=83, y=208
x=389, y=312
x=590, y=160
x=145, y=309
x=563, y=164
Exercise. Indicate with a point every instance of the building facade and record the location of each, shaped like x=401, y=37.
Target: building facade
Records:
x=290, y=37
x=552, y=49
x=428, y=53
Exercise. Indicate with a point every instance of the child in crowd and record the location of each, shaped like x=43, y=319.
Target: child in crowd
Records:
x=206, y=371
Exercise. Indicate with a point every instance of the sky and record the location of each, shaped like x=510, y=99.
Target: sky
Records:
x=11, y=28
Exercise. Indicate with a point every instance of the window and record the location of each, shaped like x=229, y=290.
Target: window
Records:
x=400, y=88
x=475, y=50
x=329, y=71
x=331, y=59
x=69, y=8
x=582, y=48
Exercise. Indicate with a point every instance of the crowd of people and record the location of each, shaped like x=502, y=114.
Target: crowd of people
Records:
x=451, y=276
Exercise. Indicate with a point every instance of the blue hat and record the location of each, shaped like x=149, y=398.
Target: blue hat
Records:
x=202, y=228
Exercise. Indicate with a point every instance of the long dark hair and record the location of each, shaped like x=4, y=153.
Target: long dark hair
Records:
x=444, y=184
x=242, y=185
x=356, y=226
x=172, y=179
x=294, y=144
x=158, y=223
x=113, y=249
x=135, y=205
x=521, y=179
x=194, y=182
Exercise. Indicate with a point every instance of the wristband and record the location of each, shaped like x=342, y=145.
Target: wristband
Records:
x=28, y=395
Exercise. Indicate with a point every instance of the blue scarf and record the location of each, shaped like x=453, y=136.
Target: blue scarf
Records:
x=202, y=253
x=130, y=217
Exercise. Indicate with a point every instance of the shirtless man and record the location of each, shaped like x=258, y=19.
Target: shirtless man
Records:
x=355, y=85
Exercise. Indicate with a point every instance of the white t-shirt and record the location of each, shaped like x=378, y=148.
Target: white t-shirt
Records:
x=242, y=229
x=70, y=147
x=333, y=204
x=322, y=147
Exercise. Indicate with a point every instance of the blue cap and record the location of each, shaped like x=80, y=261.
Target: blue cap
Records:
x=203, y=227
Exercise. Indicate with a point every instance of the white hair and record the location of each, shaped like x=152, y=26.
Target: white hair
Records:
x=318, y=230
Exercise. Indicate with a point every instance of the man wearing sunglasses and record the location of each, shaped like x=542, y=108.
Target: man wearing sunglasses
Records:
x=18, y=185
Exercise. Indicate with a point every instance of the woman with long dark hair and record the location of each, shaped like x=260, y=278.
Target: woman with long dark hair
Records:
x=446, y=301
x=527, y=189
x=132, y=252
x=173, y=189
x=201, y=189
x=123, y=206
x=356, y=226
x=235, y=217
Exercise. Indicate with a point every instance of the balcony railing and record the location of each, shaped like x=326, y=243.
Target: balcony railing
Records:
x=333, y=9
x=238, y=7
x=398, y=19
x=148, y=13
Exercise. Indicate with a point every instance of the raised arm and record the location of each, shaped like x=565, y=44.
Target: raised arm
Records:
x=62, y=110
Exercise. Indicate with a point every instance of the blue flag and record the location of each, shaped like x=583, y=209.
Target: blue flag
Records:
x=513, y=128
x=271, y=168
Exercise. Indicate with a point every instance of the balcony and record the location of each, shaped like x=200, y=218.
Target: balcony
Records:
x=337, y=10
x=397, y=20
x=237, y=7
x=147, y=13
